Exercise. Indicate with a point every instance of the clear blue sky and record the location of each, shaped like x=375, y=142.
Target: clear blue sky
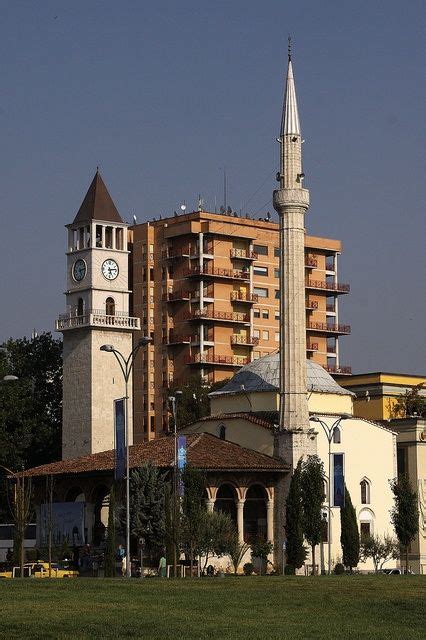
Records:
x=161, y=95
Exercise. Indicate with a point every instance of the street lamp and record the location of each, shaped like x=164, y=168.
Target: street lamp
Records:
x=126, y=366
x=329, y=432
x=174, y=401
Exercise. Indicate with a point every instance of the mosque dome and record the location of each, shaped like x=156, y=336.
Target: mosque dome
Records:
x=263, y=374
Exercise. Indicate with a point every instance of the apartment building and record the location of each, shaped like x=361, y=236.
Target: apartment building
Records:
x=205, y=287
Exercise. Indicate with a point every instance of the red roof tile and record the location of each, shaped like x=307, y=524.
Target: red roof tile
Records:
x=204, y=451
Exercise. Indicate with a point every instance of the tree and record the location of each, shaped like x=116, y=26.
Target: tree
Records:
x=109, y=565
x=192, y=510
x=20, y=503
x=236, y=551
x=380, y=550
x=349, y=534
x=147, y=505
x=261, y=548
x=312, y=489
x=216, y=533
x=410, y=403
x=295, y=549
x=405, y=513
x=194, y=402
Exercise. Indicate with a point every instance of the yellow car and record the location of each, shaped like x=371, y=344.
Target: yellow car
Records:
x=40, y=569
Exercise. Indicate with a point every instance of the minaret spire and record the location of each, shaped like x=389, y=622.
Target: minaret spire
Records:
x=291, y=202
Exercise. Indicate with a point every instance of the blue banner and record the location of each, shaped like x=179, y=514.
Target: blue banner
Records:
x=181, y=462
x=120, y=438
x=338, y=480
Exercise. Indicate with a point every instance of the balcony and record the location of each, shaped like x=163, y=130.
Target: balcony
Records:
x=243, y=254
x=96, y=318
x=242, y=296
x=328, y=328
x=313, y=346
x=208, y=292
x=177, y=296
x=249, y=341
x=343, y=371
x=175, y=254
x=311, y=305
x=207, y=252
x=336, y=287
x=212, y=359
x=220, y=316
x=311, y=263
x=207, y=271
x=330, y=308
x=177, y=339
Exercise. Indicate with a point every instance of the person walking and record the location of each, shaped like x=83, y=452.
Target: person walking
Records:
x=162, y=566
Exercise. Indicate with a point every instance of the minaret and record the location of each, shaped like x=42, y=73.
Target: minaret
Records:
x=291, y=202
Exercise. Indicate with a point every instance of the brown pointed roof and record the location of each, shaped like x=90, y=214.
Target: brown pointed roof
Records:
x=97, y=204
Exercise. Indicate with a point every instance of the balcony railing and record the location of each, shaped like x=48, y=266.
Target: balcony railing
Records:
x=175, y=296
x=311, y=263
x=311, y=304
x=172, y=253
x=331, y=349
x=97, y=318
x=328, y=286
x=244, y=254
x=175, y=338
x=207, y=250
x=232, y=361
x=250, y=341
x=208, y=292
x=312, y=347
x=242, y=296
x=216, y=272
x=344, y=371
x=329, y=328
x=331, y=308
x=224, y=316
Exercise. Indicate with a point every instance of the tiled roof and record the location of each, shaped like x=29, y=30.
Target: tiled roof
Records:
x=263, y=418
x=204, y=451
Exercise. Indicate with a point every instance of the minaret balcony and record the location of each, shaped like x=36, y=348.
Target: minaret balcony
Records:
x=97, y=318
x=341, y=329
x=291, y=198
x=334, y=287
x=341, y=371
x=214, y=359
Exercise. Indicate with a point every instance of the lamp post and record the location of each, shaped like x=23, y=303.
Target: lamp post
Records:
x=329, y=432
x=173, y=401
x=126, y=366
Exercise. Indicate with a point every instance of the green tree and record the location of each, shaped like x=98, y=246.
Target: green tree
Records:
x=192, y=510
x=405, y=513
x=110, y=551
x=216, y=533
x=261, y=548
x=194, y=402
x=295, y=549
x=349, y=534
x=147, y=505
x=236, y=551
x=312, y=487
x=380, y=550
x=411, y=403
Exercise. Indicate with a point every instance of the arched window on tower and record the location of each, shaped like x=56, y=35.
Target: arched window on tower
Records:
x=80, y=307
x=110, y=307
x=336, y=435
x=365, y=491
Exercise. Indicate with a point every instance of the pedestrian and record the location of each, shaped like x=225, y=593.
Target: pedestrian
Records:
x=124, y=566
x=162, y=566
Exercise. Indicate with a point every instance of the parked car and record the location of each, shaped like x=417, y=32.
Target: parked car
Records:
x=40, y=569
x=395, y=572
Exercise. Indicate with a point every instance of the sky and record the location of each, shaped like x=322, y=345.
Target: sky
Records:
x=163, y=95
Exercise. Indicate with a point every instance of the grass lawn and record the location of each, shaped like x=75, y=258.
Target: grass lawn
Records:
x=388, y=607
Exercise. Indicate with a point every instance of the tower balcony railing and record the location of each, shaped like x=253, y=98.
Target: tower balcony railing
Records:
x=204, y=358
x=177, y=296
x=344, y=371
x=243, y=254
x=242, y=296
x=217, y=272
x=97, y=318
x=221, y=316
x=249, y=341
x=328, y=328
x=338, y=287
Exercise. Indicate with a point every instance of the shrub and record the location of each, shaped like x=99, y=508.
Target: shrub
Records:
x=289, y=570
x=339, y=569
x=248, y=568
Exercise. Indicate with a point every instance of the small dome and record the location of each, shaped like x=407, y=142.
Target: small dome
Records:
x=263, y=374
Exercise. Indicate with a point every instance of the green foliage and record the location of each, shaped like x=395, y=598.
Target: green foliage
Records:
x=339, y=569
x=312, y=488
x=349, y=534
x=248, y=568
x=405, y=513
x=380, y=550
x=289, y=570
x=217, y=531
x=236, y=551
x=194, y=402
x=261, y=548
x=109, y=565
x=147, y=505
x=192, y=509
x=410, y=403
x=296, y=551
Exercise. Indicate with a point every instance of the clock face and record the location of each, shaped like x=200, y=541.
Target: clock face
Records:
x=110, y=269
x=79, y=270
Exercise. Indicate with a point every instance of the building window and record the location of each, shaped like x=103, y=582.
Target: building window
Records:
x=119, y=239
x=276, y=273
x=151, y=273
x=365, y=491
x=256, y=355
x=222, y=432
x=108, y=237
x=401, y=456
x=152, y=423
x=260, y=249
x=365, y=530
x=338, y=480
x=276, y=252
x=80, y=307
x=110, y=307
x=98, y=235
x=256, y=333
x=260, y=271
x=277, y=315
x=277, y=294
x=336, y=435
x=256, y=313
x=265, y=335
x=261, y=292
x=277, y=336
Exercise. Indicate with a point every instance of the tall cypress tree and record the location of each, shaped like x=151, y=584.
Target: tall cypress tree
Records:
x=349, y=534
x=296, y=551
x=405, y=513
x=109, y=566
x=312, y=485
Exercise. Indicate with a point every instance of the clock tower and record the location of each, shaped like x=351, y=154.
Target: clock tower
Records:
x=97, y=313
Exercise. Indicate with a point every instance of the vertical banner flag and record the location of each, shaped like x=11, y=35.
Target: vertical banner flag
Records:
x=120, y=438
x=338, y=480
x=181, y=461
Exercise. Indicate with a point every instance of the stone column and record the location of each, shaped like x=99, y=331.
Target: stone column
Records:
x=240, y=520
x=270, y=521
x=210, y=505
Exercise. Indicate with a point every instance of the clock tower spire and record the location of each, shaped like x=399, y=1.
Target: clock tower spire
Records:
x=97, y=313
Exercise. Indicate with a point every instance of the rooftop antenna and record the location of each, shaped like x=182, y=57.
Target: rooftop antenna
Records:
x=200, y=203
x=183, y=207
x=224, y=188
